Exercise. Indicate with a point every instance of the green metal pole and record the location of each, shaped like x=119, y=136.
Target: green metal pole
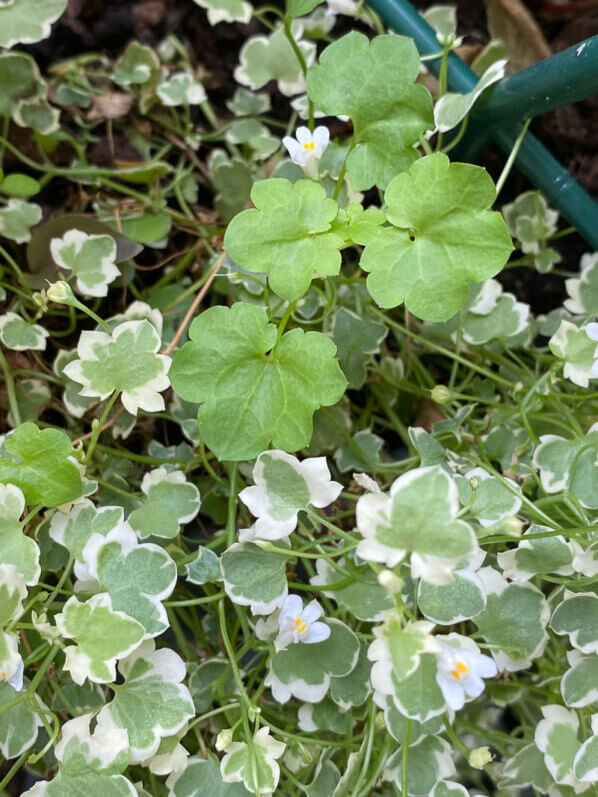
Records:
x=562, y=79
x=535, y=161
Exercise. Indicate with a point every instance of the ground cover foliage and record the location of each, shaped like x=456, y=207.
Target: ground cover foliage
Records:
x=295, y=497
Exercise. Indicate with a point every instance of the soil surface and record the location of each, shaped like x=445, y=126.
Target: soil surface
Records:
x=571, y=133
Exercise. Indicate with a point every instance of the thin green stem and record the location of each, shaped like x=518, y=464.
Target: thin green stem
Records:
x=10, y=390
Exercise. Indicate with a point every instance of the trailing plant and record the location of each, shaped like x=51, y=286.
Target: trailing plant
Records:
x=295, y=498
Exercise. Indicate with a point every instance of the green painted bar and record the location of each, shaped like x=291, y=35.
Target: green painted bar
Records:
x=535, y=161
x=566, y=77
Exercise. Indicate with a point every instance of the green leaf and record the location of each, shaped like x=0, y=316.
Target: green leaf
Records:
x=265, y=58
x=443, y=237
x=138, y=64
x=19, y=76
x=12, y=588
x=254, y=577
x=418, y=696
x=19, y=185
x=17, y=218
x=38, y=114
x=452, y=603
x=538, y=557
x=102, y=635
x=152, y=703
x=418, y=516
x=151, y=228
x=298, y=8
x=126, y=361
x=171, y=502
x=429, y=761
x=19, y=725
x=17, y=548
x=396, y=723
x=579, y=684
x=577, y=616
x=137, y=577
x=493, y=500
x=37, y=461
x=254, y=388
x=513, y=622
x=353, y=689
x=388, y=115
x=585, y=765
x=89, y=764
x=74, y=529
x=205, y=568
x=202, y=777
x=90, y=258
x=305, y=671
x=356, y=338
x=209, y=680
x=226, y=10
x=556, y=737
x=17, y=334
x=361, y=453
x=254, y=763
x=570, y=465
x=232, y=180
x=28, y=21
x=182, y=88
x=355, y=224
x=527, y=768
x=364, y=597
x=286, y=235
x=583, y=292
x=325, y=715
x=572, y=345
x=452, y=108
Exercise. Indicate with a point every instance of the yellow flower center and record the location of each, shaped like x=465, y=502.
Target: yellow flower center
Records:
x=3, y=675
x=460, y=670
x=300, y=624
x=309, y=145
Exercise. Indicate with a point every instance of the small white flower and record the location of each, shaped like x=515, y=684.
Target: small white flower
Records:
x=307, y=148
x=460, y=674
x=298, y=624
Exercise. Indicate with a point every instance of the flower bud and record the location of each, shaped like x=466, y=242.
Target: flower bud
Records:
x=252, y=712
x=391, y=582
x=41, y=300
x=440, y=394
x=512, y=525
x=479, y=757
x=224, y=739
x=61, y=293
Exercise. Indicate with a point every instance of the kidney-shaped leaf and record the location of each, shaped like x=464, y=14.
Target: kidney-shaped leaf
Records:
x=38, y=464
x=286, y=235
x=253, y=388
x=388, y=114
x=443, y=237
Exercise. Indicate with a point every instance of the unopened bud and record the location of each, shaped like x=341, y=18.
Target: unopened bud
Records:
x=41, y=300
x=391, y=582
x=61, y=293
x=252, y=712
x=441, y=394
x=479, y=757
x=512, y=525
x=474, y=482
x=224, y=739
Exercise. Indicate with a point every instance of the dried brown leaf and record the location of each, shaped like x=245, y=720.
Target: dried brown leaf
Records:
x=511, y=21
